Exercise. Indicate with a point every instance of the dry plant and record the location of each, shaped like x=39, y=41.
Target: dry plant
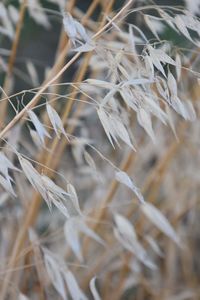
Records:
x=99, y=172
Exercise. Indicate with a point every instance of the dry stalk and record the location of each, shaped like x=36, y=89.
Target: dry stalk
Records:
x=11, y=62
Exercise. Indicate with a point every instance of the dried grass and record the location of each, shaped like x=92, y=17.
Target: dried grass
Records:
x=99, y=175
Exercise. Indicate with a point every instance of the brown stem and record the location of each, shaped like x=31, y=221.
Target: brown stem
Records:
x=12, y=58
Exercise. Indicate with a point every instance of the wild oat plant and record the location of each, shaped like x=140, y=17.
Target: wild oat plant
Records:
x=99, y=160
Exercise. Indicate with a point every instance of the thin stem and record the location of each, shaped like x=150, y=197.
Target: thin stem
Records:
x=11, y=62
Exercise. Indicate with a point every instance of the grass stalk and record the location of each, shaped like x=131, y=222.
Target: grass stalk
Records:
x=11, y=62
